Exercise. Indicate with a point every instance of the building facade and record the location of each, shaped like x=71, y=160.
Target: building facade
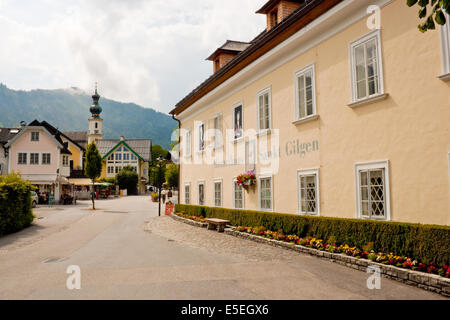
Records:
x=39, y=154
x=6, y=134
x=342, y=109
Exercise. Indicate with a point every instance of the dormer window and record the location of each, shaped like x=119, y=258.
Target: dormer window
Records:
x=226, y=53
x=273, y=16
x=278, y=10
x=216, y=65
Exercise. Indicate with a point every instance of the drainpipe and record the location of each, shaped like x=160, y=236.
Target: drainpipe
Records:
x=179, y=157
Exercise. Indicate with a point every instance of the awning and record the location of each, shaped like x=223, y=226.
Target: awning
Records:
x=102, y=184
x=63, y=180
x=81, y=182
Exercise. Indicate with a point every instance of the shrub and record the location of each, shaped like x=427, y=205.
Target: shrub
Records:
x=425, y=243
x=15, y=204
x=171, y=175
x=127, y=178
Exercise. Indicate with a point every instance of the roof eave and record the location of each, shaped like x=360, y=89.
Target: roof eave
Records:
x=266, y=43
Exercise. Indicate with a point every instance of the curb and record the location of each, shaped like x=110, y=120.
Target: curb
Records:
x=426, y=281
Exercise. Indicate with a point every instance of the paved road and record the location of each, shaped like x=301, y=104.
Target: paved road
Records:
x=125, y=251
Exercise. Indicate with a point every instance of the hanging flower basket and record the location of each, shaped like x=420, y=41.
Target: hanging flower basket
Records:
x=250, y=182
x=246, y=179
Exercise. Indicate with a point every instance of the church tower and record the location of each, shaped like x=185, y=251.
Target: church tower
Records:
x=95, y=122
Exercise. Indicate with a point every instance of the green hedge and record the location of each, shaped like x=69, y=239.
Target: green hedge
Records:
x=426, y=243
x=15, y=204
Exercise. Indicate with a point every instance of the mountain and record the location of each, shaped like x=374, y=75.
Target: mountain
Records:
x=68, y=110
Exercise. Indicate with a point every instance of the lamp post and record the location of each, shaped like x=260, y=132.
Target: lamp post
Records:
x=159, y=180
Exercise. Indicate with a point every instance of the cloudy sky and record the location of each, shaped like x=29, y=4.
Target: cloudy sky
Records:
x=151, y=52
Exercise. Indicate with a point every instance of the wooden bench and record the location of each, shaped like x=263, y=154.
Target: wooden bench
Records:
x=217, y=224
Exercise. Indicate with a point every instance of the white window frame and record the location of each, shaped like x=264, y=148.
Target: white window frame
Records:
x=216, y=181
x=202, y=182
x=187, y=184
x=218, y=116
x=234, y=195
x=264, y=91
x=38, y=157
x=199, y=149
x=250, y=162
x=233, y=108
x=445, y=48
x=65, y=161
x=35, y=134
x=303, y=173
x=384, y=164
x=188, y=143
x=50, y=158
x=311, y=67
x=26, y=158
x=261, y=177
x=366, y=38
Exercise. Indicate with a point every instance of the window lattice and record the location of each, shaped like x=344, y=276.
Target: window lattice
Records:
x=308, y=191
x=372, y=184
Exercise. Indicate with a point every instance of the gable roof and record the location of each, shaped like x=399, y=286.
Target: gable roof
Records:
x=262, y=44
x=78, y=137
x=140, y=147
x=7, y=134
x=60, y=134
x=231, y=47
x=54, y=133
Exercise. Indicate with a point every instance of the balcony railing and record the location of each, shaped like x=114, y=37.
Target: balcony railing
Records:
x=77, y=174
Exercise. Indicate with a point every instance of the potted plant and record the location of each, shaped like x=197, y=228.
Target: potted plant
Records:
x=246, y=179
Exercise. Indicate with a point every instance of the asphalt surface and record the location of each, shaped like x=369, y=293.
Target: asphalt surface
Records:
x=125, y=251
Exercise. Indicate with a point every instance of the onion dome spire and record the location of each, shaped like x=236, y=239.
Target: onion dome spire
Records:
x=95, y=108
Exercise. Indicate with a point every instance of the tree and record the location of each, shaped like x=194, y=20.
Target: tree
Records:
x=172, y=175
x=157, y=175
x=157, y=151
x=433, y=11
x=111, y=180
x=93, y=166
x=127, y=178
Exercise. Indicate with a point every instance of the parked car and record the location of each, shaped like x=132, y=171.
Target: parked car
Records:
x=34, y=198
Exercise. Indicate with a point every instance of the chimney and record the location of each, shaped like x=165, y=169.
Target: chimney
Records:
x=226, y=53
x=122, y=138
x=278, y=10
x=23, y=123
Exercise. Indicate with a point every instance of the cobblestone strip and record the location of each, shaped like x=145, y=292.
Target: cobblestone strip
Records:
x=430, y=282
x=219, y=243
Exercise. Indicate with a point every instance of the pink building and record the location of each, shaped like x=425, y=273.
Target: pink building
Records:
x=41, y=157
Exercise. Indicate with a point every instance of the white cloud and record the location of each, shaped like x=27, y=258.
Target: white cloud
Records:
x=148, y=52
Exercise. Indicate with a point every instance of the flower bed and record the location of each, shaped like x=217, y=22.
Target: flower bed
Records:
x=424, y=243
x=194, y=218
x=365, y=253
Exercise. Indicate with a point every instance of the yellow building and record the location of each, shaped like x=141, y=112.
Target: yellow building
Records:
x=341, y=107
x=122, y=152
